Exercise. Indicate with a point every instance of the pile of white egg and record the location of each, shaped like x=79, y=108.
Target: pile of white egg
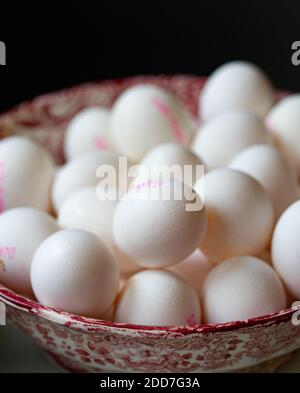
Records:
x=165, y=247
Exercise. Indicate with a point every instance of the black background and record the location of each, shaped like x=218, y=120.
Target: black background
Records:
x=53, y=45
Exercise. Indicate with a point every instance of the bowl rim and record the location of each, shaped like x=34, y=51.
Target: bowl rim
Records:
x=60, y=317
x=11, y=298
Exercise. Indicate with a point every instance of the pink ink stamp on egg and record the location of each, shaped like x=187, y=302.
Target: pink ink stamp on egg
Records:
x=100, y=143
x=166, y=111
x=146, y=184
x=7, y=252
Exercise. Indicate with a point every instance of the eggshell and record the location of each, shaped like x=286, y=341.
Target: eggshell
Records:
x=240, y=215
x=145, y=116
x=89, y=129
x=193, y=269
x=158, y=298
x=187, y=166
x=241, y=288
x=272, y=170
x=284, y=123
x=73, y=270
x=153, y=223
x=82, y=172
x=236, y=85
x=26, y=174
x=86, y=210
x=22, y=230
x=219, y=140
x=286, y=248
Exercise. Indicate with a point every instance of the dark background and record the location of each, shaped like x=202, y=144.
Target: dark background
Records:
x=54, y=45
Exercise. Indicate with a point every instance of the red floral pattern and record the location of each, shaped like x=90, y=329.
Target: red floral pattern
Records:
x=85, y=345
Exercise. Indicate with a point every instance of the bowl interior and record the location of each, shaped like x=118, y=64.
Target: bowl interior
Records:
x=45, y=119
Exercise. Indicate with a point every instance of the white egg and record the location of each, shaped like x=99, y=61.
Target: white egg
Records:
x=241, y=288
x=158, y=298
x=284, y=123
x=193, y=269
x=82, y=172
x=186, y=165
x=89, y=129
x=22, y=230
x=240, y=215
x=286, y=249
x=26, y=174
x=84, y=210
x=145, y=116
x=87, y=210
x=154, y=223
x=236, y=85
x=73, y=270
x=219, y=140
x=272, y=170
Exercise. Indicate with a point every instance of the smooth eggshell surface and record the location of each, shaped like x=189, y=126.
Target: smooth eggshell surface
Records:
x=158, y=298
x=272, y=170
x=193, y=269
x=94, y=211
x=73, y=270
x=22, y=230
x=284, y=123
x=286, y=249
x=145, y=116
x=88, y=130
x=219, y=140
x=242, y=288
x=84, y=210
x=26, y=174
x=236, y=85
x=153, y=223
x=187, y=166
x=240, y=215
x=82, y=172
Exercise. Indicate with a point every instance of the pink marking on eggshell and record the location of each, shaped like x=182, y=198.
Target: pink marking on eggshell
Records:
x=167, y=112
x=101, y=143
x=2, y=205
x=8, y=252
x=146, y=184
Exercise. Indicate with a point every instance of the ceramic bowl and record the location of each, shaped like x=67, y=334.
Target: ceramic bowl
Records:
x=85, y=345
